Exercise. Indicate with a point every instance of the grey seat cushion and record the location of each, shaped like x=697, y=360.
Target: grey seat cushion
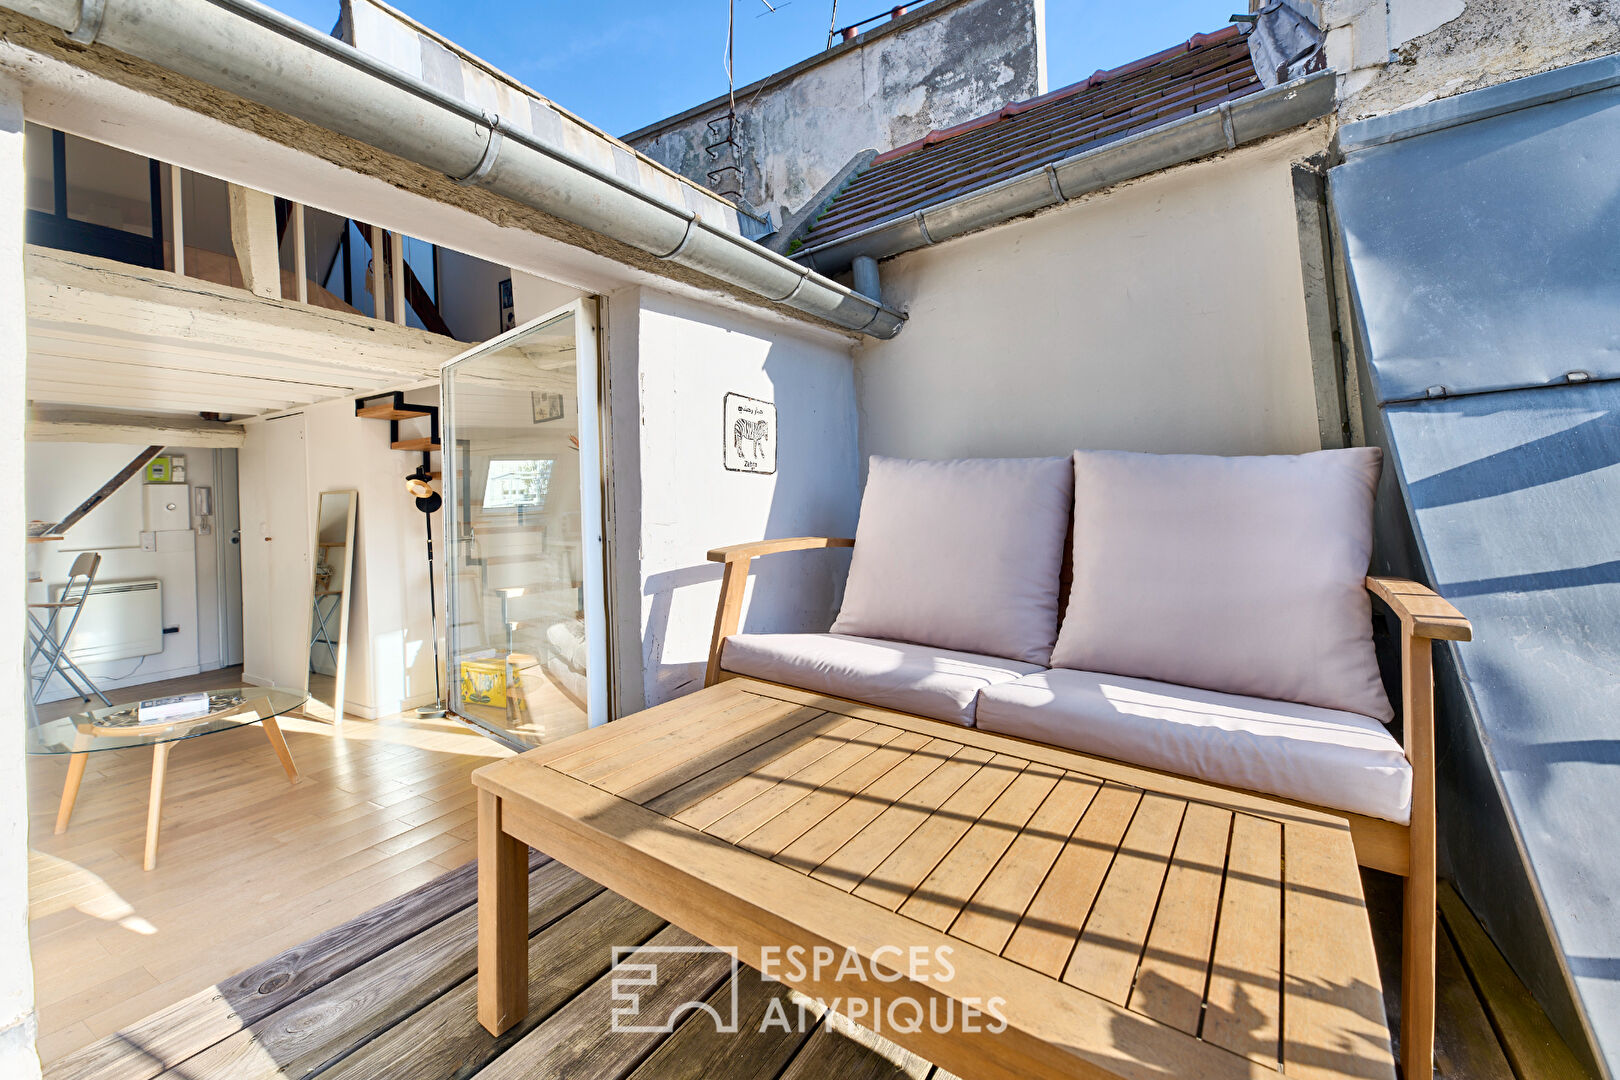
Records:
x=1335, y=759
x=896, y=675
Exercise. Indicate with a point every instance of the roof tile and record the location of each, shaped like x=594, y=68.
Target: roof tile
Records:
x=1196, y=75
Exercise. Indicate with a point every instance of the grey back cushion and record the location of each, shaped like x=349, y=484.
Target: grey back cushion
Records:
x=962, y=555
x=1239, y=574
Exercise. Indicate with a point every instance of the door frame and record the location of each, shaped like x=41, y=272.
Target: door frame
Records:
x=595, y=507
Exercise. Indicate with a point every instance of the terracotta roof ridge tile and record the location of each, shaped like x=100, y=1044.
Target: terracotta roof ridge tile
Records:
x=1096, y=78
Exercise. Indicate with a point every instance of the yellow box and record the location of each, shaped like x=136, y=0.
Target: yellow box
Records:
x=483, y=682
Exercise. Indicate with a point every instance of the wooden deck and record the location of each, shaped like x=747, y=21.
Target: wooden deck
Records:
x=250, y=865
x=391, y=995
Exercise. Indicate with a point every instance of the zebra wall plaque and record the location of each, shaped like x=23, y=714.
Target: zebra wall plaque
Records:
x=750, y=435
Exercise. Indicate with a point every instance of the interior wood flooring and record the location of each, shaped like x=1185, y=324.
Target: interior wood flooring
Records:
x=249, y=865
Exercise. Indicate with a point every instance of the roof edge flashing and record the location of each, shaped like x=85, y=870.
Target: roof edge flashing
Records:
x=247, y=49
x=1482, y=104
x=1233, y=124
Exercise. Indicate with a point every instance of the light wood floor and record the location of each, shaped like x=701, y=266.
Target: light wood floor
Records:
x=249, y=865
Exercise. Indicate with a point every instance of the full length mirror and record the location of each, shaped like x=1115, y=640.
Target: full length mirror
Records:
x=524, y=531
x=335, y=513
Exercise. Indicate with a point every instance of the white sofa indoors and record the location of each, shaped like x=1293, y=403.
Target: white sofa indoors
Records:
x=1215, y=623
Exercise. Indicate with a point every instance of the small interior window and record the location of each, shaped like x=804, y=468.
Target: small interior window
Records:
x=518, y=483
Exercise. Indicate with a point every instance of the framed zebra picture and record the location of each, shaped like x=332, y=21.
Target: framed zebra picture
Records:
x=750, y=435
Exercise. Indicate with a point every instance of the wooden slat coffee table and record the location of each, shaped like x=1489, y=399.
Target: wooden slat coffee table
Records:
x=1123, y=922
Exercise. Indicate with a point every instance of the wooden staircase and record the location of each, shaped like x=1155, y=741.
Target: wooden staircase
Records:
x=393, y=408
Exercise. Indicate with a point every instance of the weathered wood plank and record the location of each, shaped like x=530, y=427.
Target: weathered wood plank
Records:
x=766, y=805
x=990, y=918
x=817, y=805
x=1046, y=934
x=773, y=1022
x=1333, y=1001
x=837, y=828
x=1464, y=1043
x=675, y=743
x=648, y=782
x=906, y=866
x=324, y=1024
x=941, y=895
x=847, y=1051
x=775, y=754
x=188, y=1027
x=849, y=865
x=1110, y=947
x=1170, y=983
x=578, y=1040
x=742, y=789
x=1529, y=1040
x=443, y=1040
x=1244, y=1004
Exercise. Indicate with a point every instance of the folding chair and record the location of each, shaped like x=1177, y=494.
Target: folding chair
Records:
x=53, y=643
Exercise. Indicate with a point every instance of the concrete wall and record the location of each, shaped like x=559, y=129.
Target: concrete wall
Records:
x=17, y=1057
x=1165, y=315
x=1392, y=54
x=58, y=477
x=668, y=394
x=943, y=63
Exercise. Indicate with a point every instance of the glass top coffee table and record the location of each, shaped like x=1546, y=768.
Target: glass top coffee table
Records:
x=121, y=727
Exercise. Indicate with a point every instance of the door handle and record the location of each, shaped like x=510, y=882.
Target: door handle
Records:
x=268, y=539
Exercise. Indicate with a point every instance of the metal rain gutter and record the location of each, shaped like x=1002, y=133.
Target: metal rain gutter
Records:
x=1233, y=124
x=250, y=50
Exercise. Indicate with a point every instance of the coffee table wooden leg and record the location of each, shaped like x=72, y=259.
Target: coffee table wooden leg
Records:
x=75, y=775
x=503, y=921
x=154, y=807
x=70, y=790
x=273, y=731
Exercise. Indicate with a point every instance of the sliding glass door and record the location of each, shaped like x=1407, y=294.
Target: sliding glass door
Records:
x=524, y=530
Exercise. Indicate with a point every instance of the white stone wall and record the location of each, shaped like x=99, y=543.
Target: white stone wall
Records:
x=1166, y=315
x=1392, y=54
x=893, y=85
x=688, y=357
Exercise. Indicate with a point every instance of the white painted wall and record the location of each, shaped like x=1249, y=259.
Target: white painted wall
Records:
x=1166, y=315
x=17, y=1056
x=60, y=476
x=390, y=644
x=687, y=358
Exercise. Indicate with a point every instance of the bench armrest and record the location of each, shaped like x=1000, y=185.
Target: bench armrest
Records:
x=734, y=582
x=1423, y=612
x=771, y=547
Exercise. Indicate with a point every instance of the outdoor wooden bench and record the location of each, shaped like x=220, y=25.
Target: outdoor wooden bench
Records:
x=1123, y=922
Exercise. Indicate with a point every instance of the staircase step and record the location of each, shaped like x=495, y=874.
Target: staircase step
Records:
x=416, y=444
x=388, y=412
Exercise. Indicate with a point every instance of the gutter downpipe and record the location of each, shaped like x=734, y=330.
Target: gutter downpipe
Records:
x=247, y=49
x=1217, y=130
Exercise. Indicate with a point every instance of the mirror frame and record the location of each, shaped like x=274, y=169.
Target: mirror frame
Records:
x=348, y=564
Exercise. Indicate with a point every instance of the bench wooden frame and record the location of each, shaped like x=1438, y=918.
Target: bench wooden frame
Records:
x=1406, y=850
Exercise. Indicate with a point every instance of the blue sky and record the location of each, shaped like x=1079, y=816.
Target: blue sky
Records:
x=621, y=64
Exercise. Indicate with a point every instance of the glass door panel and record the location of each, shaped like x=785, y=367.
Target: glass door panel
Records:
x=523, y=524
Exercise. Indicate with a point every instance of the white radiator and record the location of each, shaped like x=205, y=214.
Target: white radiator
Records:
x=120, y=619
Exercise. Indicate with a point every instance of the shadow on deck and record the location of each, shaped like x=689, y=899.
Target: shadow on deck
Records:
x=391, y=994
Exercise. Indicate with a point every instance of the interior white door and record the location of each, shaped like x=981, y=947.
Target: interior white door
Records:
x=276, y=582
